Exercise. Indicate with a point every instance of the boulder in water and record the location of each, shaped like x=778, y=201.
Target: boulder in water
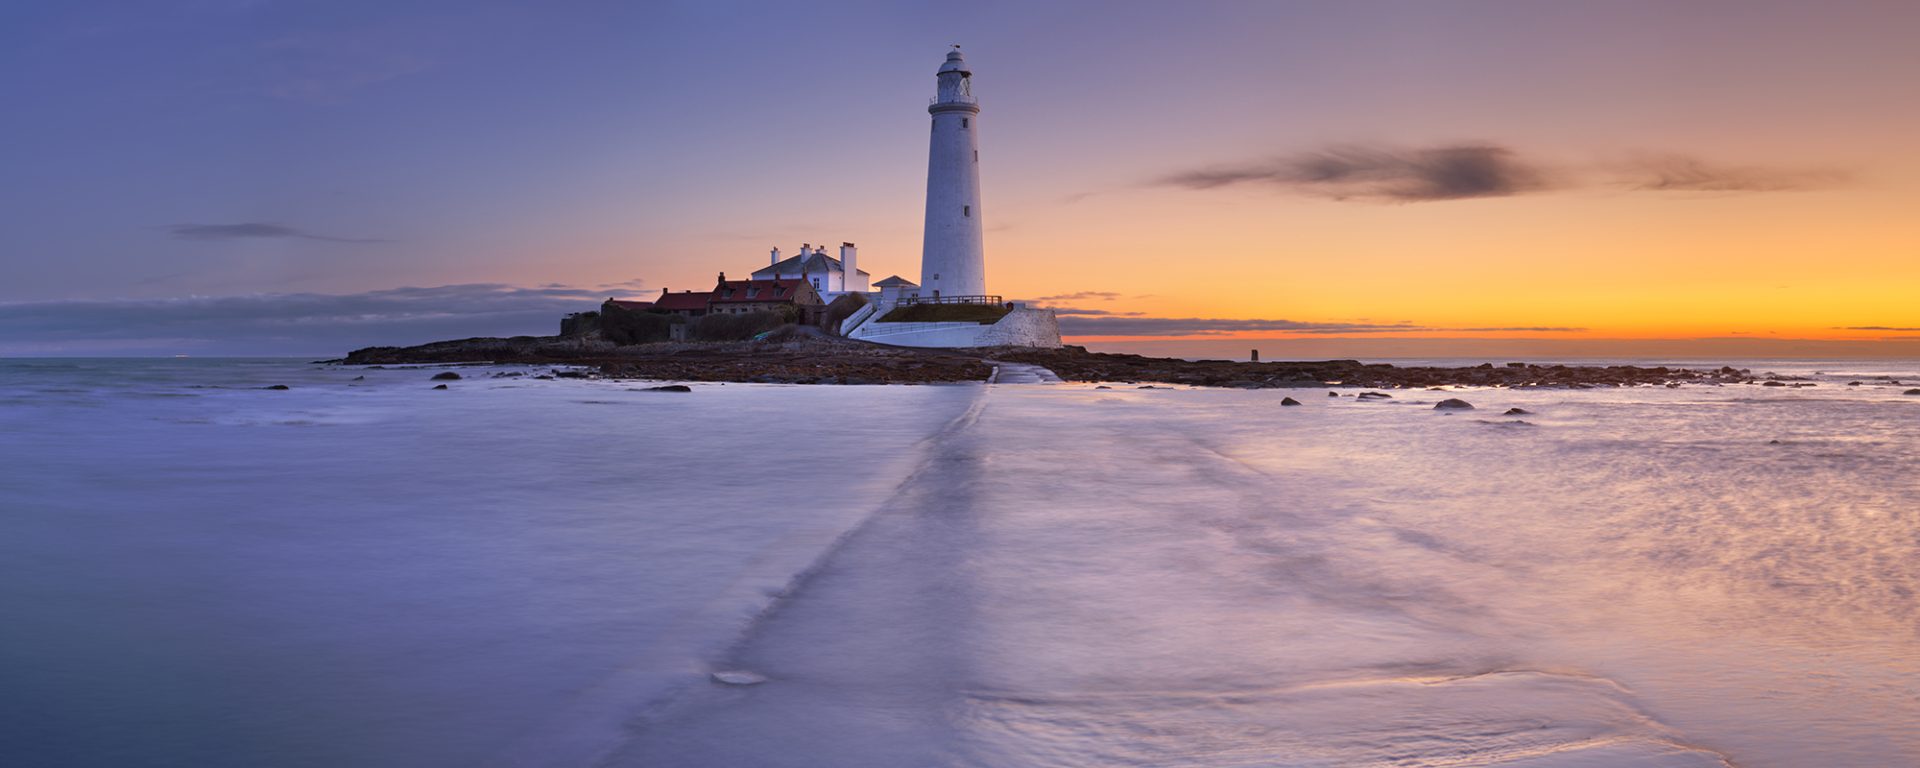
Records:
x=283, y=387
x=1289, y=401
x=1453, y=404
x=669, y=388
x=1912, y=392
x=1375, y=396
x=446, y=376
x=439, y=386
x=738, y=677
x=1518, y=412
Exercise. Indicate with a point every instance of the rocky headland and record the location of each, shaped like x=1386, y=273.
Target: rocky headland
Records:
x=789, y=359
x=801, y=358
x=1077, y=364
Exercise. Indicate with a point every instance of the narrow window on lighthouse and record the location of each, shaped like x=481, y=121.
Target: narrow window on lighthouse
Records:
x=963, y=122
x=967, y=211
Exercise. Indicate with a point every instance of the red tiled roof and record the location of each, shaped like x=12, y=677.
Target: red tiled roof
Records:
x=754, y=290
x=683, y=300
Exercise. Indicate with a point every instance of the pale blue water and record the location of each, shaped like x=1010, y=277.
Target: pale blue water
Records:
x=195, y=571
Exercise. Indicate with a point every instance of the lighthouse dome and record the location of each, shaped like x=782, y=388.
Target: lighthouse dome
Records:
x=955, y=63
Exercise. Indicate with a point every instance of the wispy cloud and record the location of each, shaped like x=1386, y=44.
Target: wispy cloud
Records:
x=328, y=68
x=1064, y=311
x=1895, y=329
x=1076, y=325
x=1096, y=323
x=256, y=230
x=289, y=323
x=1373, y=173
x=1080, y=296
x=1382, y=173
x=1681, y=173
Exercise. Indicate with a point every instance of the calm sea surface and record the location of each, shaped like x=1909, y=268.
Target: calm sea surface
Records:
x=199, y=571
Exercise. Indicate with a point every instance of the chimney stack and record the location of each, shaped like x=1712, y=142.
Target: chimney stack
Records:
x=776, y=257
x=850, y=276
x=806, y=249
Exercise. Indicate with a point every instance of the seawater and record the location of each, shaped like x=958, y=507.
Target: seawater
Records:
x=198, y=571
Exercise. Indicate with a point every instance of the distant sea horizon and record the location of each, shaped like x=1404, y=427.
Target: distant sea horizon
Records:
x=1274, y=350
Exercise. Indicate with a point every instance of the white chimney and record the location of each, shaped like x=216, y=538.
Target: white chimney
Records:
x=776, y=257
x=806, y=249
x=850, y=278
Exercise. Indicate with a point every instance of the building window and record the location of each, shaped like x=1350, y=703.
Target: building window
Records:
x=976, y=155
x=967, y=211
x=963, y=122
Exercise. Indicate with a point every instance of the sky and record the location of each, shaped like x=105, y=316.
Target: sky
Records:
x=306, y=177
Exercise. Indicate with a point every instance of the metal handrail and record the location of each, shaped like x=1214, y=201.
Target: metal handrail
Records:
x=983, y=299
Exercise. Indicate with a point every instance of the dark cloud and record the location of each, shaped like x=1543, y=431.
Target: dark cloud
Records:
x=1096, y=323
x=1681, y=173
x=1462, y=171
x=1895, y=329
x=254, y=230
x=287, y=323
x=1383, y=174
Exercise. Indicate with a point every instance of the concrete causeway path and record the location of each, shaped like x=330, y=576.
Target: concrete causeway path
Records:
x=1167, y=578
x=1020, y=373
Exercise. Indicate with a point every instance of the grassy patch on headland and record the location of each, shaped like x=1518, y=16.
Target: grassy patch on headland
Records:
x=983, y=314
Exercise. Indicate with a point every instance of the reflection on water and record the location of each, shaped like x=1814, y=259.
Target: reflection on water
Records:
x=1202, y=577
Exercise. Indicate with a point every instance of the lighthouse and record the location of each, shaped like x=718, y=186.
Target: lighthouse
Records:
x=953, y=259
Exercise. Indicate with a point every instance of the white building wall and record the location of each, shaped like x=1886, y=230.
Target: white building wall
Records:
x=852, y=281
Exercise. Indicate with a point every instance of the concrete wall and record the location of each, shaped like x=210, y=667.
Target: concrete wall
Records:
x=922, y=334
x=1020, y=328
x=1024, y=328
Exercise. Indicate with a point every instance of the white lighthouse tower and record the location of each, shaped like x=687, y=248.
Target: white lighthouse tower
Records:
x=953, y=259
x=953, y=262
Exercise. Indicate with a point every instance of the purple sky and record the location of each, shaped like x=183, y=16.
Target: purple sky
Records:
x=266, y=175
